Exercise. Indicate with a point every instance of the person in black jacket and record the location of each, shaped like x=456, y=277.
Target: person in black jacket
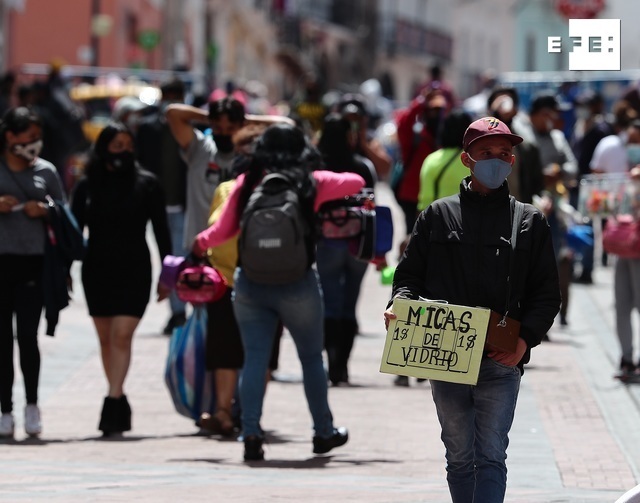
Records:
x=159, y=152
x=340, y=273
x=459, y=251
x=526, y=180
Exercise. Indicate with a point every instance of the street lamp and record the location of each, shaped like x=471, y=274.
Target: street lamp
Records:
x=100, y=27
x=95, y=41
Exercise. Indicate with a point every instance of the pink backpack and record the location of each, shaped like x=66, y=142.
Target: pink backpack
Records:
x=199, y=284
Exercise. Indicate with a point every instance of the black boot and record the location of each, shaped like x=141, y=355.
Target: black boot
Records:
x=109, y=416
x=348, y=331
x=331, y=343
x=124, y=414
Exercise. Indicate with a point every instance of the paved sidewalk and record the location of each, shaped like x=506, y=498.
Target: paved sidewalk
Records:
x=575, y=438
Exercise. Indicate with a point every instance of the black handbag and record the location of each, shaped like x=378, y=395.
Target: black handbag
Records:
x=352, y=218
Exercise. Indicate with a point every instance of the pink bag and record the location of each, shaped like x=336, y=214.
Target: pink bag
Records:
x=341, y=223
x=346, y=218
x=199, y=284
x=621, y=236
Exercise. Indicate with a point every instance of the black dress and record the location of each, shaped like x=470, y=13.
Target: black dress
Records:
x=116, y=272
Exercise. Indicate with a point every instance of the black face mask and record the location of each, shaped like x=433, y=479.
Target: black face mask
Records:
x=433, y=124
x=121, y=162
x=433, y=119
x=223, y=142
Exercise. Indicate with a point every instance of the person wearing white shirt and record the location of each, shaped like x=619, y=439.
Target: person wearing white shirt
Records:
x=611, y=153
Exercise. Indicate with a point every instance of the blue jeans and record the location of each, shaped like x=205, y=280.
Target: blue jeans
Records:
x=341, y=276
x=258, y=309
x=475, y=423
x=176, y=228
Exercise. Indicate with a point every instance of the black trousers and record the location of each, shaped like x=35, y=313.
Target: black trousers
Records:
x=21, y=297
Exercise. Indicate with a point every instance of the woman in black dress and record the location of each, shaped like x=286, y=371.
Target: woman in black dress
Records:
x=115, y=201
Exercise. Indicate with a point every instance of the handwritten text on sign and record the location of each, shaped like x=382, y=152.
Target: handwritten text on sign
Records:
x=434, y=340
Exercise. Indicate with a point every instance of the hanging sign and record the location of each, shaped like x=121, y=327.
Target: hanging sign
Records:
x=434, y=340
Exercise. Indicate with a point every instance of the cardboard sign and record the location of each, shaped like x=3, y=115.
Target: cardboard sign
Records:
x=434, y=340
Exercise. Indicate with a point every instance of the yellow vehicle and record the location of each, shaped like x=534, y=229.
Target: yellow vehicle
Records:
x=98, y=100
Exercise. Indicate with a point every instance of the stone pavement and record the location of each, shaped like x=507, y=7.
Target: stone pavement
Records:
x=575, y=437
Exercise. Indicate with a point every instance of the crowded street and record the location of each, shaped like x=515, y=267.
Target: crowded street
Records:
x=320, y=251
x=574, y=437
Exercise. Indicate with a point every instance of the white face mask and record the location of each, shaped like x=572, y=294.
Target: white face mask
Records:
x=549, y=125
x=27, y=151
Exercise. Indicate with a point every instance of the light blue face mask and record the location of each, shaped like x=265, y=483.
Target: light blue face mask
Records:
x=491, y=173
x=633, y=154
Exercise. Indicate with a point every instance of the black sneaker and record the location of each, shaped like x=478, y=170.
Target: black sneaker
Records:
x=253, y=449
x=627, y=367
x=323, y=445
x=402, y=381
x=176, y=320
x=585, y=279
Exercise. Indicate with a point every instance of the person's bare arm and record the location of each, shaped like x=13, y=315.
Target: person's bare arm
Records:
x=375, y=152
x=268, y=119
x=181, y=118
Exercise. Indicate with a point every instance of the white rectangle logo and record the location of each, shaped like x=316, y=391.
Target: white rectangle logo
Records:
x=595, y=44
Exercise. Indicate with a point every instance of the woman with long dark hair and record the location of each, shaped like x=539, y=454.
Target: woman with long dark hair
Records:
x=259, y=306
x=25, y=181
x=340, y=273
x=115, y=201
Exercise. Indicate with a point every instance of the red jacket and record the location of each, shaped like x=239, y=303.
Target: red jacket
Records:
x=414, y=148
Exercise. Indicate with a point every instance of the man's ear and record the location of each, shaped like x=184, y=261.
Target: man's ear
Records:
x=513, y=159
x=464, y=157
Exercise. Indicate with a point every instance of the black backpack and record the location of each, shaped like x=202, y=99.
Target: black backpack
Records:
x=275, y=245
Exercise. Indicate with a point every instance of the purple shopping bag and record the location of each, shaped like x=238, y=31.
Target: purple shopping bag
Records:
x=171, y=268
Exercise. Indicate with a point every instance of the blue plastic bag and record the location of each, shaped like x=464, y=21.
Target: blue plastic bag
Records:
x=580, y=238
x=190, y=385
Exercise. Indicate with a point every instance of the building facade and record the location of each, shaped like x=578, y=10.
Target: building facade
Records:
x=284, y=44
x=113, y=33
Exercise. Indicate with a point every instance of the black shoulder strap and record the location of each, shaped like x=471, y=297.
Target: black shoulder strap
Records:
x=436, y=183
x=517, y=212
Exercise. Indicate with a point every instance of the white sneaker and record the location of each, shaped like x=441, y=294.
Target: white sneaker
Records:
x=6, y=425
x=32, y=423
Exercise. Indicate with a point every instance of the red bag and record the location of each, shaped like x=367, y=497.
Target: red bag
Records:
x=199, y=284
x=621, y=236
